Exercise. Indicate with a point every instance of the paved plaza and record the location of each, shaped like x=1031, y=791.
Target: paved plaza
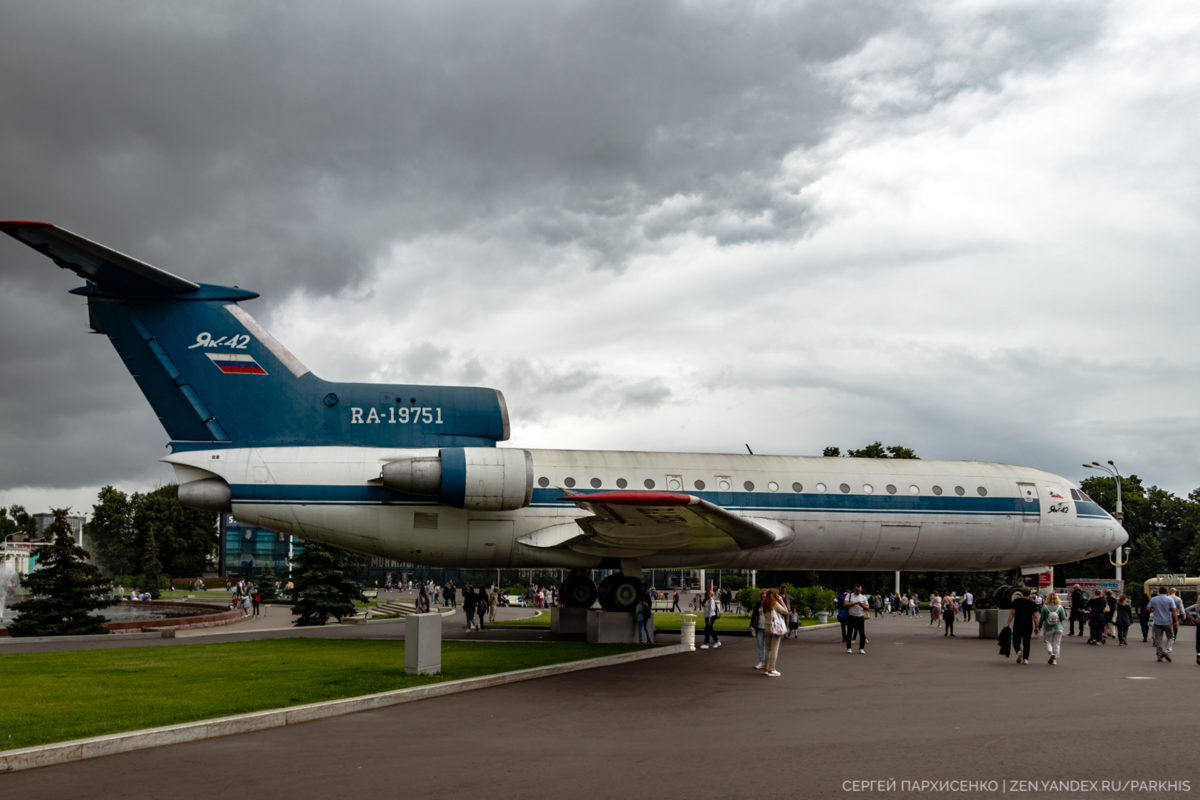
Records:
x=917, y=706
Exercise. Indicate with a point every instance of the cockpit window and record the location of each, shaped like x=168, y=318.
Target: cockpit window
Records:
x=1076, y=496
x=1085, y=497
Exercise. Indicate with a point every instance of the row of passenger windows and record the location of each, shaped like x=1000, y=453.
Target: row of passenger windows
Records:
x=675, y=484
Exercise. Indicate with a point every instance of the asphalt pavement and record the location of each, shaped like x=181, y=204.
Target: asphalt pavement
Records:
x=917, y=707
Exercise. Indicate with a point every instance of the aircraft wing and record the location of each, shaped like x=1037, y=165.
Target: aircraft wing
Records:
x=636, y=523
x=95, y=262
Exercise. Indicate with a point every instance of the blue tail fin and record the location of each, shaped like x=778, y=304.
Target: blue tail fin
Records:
x=214, y=375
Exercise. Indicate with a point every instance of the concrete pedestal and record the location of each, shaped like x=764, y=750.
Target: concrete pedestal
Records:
x=423, y=644
x=569, y=621
x=612, y=627
x=991, y=621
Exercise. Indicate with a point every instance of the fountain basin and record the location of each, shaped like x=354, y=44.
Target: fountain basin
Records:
x=165, y=615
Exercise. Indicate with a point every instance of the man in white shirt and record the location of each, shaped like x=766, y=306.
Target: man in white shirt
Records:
x=856, y=605
x=968, y=604
x=1166, y=615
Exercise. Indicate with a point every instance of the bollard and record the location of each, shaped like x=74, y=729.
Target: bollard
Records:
x=423, y=644
x=687, y=630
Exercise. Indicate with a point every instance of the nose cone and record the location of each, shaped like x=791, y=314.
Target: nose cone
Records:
x=1120, y=535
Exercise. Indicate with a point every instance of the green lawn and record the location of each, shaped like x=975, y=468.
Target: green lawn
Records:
x=665, y=621
x=76, y=694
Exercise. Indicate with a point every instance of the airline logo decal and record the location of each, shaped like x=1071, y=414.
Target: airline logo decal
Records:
x=236, y=364
x=1056, y=494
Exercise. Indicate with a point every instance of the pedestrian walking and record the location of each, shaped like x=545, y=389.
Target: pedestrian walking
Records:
x=839, y=605
x=423, y=601
x=1110, y=612
x=1123, y=618
x=644, y=612
x=935, y=609
x=1078, y=608
x=877, y=605
x=493, y=601
x=774, y=616
x=1166, y=614
x=469, y=602
x=856, y=608
x=1024, y=624
x=1194, y=611
x=968, y=605
x=1096, y=608
x=1052, y=620
x=758, y=626
x=257, y=601
x=675, y=605
x=711, y=615
x=1143, y=612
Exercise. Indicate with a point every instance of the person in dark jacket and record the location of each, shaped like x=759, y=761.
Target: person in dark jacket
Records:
x=1023, y=619
x=1078, y=604
x=1123, y=619
x=1143, y=611
x=469, y=603
x=1096, y=608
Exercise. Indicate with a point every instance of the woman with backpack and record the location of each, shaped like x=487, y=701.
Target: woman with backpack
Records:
x=644, y=610
x=1053, y=618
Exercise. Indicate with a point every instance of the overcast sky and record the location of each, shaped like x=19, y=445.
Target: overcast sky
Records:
x=968, y=228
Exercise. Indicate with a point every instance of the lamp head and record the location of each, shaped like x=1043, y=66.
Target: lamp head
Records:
x=1097, y=463
x=1128, y=550
x=1111, y=463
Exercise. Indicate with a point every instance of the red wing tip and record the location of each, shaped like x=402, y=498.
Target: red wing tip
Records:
x=633, y=498
x=24, y=223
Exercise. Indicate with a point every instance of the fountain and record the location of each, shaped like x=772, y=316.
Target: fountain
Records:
x=10, y=579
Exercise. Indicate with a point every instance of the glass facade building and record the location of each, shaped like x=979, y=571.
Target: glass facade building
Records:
x=247, y=550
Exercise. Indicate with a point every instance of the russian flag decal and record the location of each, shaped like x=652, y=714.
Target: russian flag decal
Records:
x=236, y=364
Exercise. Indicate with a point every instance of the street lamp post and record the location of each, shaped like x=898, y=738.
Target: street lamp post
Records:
x=1119, y=516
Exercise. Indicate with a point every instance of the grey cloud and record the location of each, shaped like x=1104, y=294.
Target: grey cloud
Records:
x=650, y=393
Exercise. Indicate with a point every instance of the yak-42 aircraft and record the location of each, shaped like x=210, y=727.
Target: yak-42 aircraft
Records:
x=413, y=473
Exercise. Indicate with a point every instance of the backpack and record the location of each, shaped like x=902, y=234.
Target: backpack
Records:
x=1052, y=618
x=754, y=615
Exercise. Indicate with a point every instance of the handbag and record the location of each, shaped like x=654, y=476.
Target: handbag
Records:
x=778, y=625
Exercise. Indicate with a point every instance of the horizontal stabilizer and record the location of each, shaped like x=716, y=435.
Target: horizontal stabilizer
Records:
x=114, y=271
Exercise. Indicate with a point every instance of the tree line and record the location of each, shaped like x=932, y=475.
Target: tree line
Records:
x=140, y=534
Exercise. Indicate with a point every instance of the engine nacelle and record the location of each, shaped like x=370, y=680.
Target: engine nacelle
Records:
x=208, y=494
x=472, y=478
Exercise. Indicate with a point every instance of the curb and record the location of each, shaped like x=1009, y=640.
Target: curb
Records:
x=78, y=749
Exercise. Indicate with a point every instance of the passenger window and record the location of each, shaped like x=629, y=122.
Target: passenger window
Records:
x=937, y=490
x=648, y=483
x=958, y=490
x=797, y=487
x=674, y=483
x=982, y=491
x=595, y=483
x=725, y=484
x=845, y=487
x=821, y=487
x=914, y=490
x=699, y=486
x=543, y=482
x=868, y=488
x=570, y=482
x=891, y=489
x=622, y=483
x=773, y=486
x=749, y=486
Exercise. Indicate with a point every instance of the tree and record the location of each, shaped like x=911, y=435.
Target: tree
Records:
x=1146, y=560
x=151, y=568
x=110, y=533
x=186, y=539
x=874, y=450
x=325, y=587
x=266, y=583
x=65, y=589
x=16, y=519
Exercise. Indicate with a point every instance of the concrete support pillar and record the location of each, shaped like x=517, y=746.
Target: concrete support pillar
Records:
x=423, y=644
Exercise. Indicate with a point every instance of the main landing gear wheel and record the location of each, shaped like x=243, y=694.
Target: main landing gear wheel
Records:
x=620, y=593
x=1004, y=596
x=579, y=591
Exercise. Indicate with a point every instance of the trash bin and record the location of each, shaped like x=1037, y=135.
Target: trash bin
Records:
x=823, y=616
x=687, y=630
x=990, y=621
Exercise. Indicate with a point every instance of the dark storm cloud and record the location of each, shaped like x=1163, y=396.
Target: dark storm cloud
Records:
x=283, y=146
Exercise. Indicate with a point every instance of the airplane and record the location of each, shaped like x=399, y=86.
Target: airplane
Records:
x=414, y=473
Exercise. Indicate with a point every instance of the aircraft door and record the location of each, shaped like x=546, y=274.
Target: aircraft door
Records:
x=724, y=491
x=1031, y=518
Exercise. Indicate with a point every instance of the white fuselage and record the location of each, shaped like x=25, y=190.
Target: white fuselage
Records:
x=833, y=513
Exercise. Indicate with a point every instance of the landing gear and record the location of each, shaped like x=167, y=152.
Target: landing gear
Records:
x=578, y=591
x=620, y=592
